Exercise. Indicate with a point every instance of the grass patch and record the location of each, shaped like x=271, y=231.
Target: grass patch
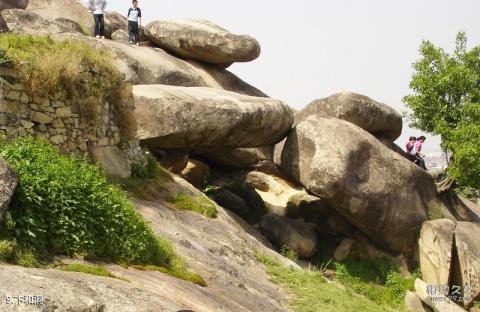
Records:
x=311, y=293
x=91, y=269
x=197, y=204
x=377, y=279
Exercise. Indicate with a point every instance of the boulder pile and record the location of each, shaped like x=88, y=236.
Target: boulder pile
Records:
x=330, y=171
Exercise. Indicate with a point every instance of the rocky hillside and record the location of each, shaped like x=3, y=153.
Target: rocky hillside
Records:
x=268, y=209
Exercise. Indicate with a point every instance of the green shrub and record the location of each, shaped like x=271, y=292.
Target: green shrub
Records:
x=64, y=205
x=7, y=250
x=197, y=204
x=27, y=258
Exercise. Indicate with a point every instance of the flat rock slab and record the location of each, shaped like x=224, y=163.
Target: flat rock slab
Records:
x=205, y=119
x=203, y=41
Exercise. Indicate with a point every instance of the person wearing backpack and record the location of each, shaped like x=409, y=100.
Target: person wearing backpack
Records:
x=97, y=8
x=134, y=16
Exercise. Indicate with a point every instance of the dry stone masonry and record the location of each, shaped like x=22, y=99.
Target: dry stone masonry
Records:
x=74, y=124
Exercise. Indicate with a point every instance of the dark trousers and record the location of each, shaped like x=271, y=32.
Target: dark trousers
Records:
x=133, y=31
x=420, y=162
x=99, y=28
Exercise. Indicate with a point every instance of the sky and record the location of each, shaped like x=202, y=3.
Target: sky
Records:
x=314, y=48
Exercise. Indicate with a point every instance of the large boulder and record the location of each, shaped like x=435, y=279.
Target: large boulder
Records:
x=435, y=248
x=203, y=41
x=450, y=256
x=73, y=10
x=466, y=273
x=383, y=194
x=377, y=118
x=147, y=65
x=435, y=299
x=13, y=4
x=8, y=183
x=27, y=22
x=294, y=234
x=204, y=119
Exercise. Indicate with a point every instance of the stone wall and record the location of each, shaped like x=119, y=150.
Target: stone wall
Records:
x=74, y=124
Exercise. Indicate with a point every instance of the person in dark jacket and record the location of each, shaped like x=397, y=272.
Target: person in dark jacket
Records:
x=134, y=16
x=97, y=7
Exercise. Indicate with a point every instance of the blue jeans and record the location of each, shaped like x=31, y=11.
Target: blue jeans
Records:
x=133, y=31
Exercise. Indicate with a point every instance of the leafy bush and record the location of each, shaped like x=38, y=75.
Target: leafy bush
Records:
x=197, y=204
x=7, y=250
x=64, y=205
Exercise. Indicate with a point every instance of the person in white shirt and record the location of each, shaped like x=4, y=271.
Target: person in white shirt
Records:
x=97, y=7
x=134, y=16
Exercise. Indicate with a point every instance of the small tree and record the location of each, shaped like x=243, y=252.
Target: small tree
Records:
x=446, y=102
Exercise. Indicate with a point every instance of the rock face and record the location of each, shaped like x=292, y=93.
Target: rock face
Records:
x=377, y=118
x=28, y=22
x=8, y=183
x=438, y=302
x=295, y=234
x=467, y=271
x=70, y=9
x=120, y=35
x=241, y=157
x=221, y=249
x=435, y=246
x=383, y=194
x=197, y=173
x=449, y=255
x=197, y=119
x=13, y=4
x=203, y=41
x=112, y=160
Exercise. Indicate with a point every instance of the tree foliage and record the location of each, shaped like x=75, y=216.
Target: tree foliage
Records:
x=446, y=101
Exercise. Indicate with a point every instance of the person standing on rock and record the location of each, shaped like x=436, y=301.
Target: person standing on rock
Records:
x=134, y=16
x=97, y=7
x=418, y=155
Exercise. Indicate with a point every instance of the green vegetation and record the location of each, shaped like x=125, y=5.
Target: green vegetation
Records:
x=377, y=279
x=289, y=253
x=312, y=293
x=197, y=204
x=93, y=270
x=141, y=176
x=446, y=102
x=46, y=65
x=64, y=205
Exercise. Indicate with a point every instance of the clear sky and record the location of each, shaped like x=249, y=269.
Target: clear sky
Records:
x=314, y=48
